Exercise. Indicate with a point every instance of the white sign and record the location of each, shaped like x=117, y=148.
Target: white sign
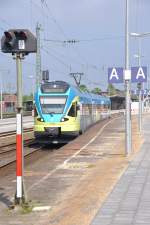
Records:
x=127, y=74
x=21, y=44
x=140, y=73
x=114, y=74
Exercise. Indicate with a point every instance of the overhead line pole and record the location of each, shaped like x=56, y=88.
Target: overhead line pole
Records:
x=140, y=84
x=77, y=77
x=140, y=87
x=38, y=56
x=127, y=84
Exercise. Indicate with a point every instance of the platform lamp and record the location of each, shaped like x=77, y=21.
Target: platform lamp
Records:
x=139, y=85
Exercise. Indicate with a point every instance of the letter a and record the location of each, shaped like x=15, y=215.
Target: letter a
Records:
x=140, y=74
x=114, y=74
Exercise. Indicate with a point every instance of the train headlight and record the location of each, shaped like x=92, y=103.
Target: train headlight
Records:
x=40, y=119
x=63, y=119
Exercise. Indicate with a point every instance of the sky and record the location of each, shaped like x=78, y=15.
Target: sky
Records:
x=97, y=25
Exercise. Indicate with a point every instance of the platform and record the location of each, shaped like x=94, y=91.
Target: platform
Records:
x=9, y=124
x=129, y=201
x=72, y=181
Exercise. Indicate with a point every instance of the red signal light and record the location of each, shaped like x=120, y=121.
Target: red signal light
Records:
x=23, y=35
x=8, y=36
x=20, y=35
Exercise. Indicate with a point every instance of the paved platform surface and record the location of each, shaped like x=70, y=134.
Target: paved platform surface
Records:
x=129, y=202
x=72, y=180
x=68, y=179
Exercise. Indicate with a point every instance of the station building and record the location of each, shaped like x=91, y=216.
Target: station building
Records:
x=9, y=103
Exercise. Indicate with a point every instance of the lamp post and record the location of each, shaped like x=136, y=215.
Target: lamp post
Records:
x=139, y=36
x=127, y=78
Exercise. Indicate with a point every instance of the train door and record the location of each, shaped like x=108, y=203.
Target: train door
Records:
x=82, y=118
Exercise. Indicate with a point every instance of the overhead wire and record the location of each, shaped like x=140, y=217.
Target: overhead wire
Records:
x=56, y=57
x=53, y=18
x=58, y=24
x=62, y=55
x=75, y=50
x=84, y=40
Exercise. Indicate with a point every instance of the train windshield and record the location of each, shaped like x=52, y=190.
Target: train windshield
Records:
x=52, y=104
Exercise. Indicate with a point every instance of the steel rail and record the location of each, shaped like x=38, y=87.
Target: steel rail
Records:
x=12, y=146
x=12, y=133
x=13, y=159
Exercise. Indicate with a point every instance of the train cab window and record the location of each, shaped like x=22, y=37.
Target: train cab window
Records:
x=73, y=112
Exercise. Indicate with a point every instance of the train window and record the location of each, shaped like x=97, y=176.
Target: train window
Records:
x=55, y=87
x=72, y=112
x=52, y=104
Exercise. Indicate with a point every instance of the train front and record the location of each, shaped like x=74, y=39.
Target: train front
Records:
x=55, y=116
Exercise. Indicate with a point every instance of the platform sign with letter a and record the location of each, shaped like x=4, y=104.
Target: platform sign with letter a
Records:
x=138, y=74
x=115, y=75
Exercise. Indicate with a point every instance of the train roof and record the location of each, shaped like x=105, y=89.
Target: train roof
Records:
x=62, y=87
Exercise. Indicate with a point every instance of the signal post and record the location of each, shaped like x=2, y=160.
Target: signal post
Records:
x=19, y=42
x=20, y=193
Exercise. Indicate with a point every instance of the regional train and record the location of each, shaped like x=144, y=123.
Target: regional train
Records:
x=63, y=111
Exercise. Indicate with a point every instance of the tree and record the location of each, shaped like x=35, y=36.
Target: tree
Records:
x=96, y=90
x=27, y=98
x=111, y=89
x=83, y=87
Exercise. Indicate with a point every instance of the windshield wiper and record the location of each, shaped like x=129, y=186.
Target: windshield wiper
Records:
x=51, y=113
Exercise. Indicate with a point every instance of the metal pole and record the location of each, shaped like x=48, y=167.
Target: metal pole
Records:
x=1, y=97
x=33, y=88
x=140, y=87
x=140, y=110
x=127, y=84
x=38, y=56
x=19, y=197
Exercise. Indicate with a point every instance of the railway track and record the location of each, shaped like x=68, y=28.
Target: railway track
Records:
x=8, y=154
x=8, y=147
x=12, y=146
x=7, y=151
x=12, y=133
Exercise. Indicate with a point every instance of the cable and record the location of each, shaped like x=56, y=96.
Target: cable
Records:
x=54, y=70
x=53, y=18
x=61, y=30
x=65, y=56
x=82, y=40
x=59, y=60
x=84, y=61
